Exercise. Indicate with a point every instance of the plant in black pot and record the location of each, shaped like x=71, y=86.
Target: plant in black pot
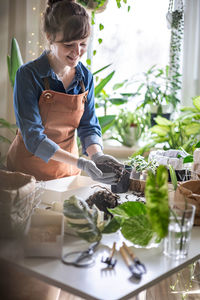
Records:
x=159, y=95
x=122, y=173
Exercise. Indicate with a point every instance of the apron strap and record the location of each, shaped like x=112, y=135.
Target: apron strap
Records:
x=46, y=83
x=47, y=86
x=82, y=86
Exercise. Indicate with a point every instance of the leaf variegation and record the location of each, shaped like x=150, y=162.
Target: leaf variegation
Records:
x=82, y=219
x=196, y=102
x=160, y=130
x=192, y=128
x=162, y=121
x=128, y=209
x=138, y=230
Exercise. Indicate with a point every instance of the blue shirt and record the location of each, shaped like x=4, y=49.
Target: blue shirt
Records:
x=29, y=85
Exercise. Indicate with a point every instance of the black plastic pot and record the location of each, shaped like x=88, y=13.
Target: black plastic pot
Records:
x=154, y=115
x=182, y=175
x=123, y=185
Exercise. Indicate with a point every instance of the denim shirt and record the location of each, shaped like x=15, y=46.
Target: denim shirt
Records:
x=29, y=85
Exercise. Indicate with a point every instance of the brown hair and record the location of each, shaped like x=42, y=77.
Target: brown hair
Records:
x=67, y=17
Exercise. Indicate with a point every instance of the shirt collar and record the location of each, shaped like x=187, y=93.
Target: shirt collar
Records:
x=44, y=69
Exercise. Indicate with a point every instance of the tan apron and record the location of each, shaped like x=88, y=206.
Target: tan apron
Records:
x=61, y=114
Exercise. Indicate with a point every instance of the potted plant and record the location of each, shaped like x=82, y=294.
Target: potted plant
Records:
x=14, y=61
x=95, y=5
x=141, y=165
x=159, y=95
x=128, y=127
x=173, y=134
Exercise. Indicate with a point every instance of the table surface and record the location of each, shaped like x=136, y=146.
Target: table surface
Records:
x=97, y=282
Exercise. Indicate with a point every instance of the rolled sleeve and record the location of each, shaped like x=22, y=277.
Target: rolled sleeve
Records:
x=46, y=149
x=90, y=140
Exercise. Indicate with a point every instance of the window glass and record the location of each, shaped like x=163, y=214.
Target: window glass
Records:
x=132, y=41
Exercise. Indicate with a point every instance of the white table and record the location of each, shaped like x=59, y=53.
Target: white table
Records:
x=95, y=282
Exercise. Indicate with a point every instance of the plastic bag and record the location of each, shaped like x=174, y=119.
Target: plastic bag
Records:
x=190, y=191
x=17, y=199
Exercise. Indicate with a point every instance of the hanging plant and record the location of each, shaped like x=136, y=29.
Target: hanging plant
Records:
x=175, y=20
x=98, y=6
x=95, y=5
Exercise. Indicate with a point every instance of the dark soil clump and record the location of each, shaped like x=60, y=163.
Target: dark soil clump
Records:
x=112, y=167
x=103, y=200
x=122, y=174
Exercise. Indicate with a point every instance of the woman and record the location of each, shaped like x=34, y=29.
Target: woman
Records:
x=54, y=96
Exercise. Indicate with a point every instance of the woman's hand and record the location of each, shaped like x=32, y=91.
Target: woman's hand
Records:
x=103, y=159
x=96, y=174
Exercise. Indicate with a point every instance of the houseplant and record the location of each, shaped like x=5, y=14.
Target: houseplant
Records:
x=14, y=61
x=128, y=127
x=173, y=134
x=158, y=95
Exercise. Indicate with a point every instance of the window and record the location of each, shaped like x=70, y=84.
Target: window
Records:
x=132, y=41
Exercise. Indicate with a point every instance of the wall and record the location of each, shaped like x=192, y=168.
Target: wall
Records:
x=20, y=19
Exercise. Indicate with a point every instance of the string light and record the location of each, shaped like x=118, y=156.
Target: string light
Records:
x=34, y=45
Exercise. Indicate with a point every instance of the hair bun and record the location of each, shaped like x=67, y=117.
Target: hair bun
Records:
x=52, y=2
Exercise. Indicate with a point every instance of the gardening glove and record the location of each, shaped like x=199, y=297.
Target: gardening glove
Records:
x=104, y=162
x=101, y=158
x=96, y=174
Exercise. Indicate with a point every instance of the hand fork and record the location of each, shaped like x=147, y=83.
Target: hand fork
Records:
x=109, y=260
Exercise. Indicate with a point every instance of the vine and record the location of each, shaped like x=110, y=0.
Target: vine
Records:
x=175, y=19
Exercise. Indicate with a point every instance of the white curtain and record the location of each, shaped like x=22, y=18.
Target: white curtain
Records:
x=191, y=52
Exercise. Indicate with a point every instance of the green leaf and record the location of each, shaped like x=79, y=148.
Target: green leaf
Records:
x=105, y=120
x=102, y=84
x=192, y=129
x=162, y=121
x=173, y=176
x=112, y=226
x=119, y=85
x=156, y=194
x=188, y=159
x=101, y=27
x=94, y=52
x=118, y=101
x=160, y=130
x=15, y=61
x=197, y=145
x=82, y=219
x=128, y=209
x=96, y=72
x=190, y=109
x=137, y=230
x=88, y=62
x=196, y=102
x=100, y=41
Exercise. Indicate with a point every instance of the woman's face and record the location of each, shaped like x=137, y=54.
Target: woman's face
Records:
x=68, y=53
